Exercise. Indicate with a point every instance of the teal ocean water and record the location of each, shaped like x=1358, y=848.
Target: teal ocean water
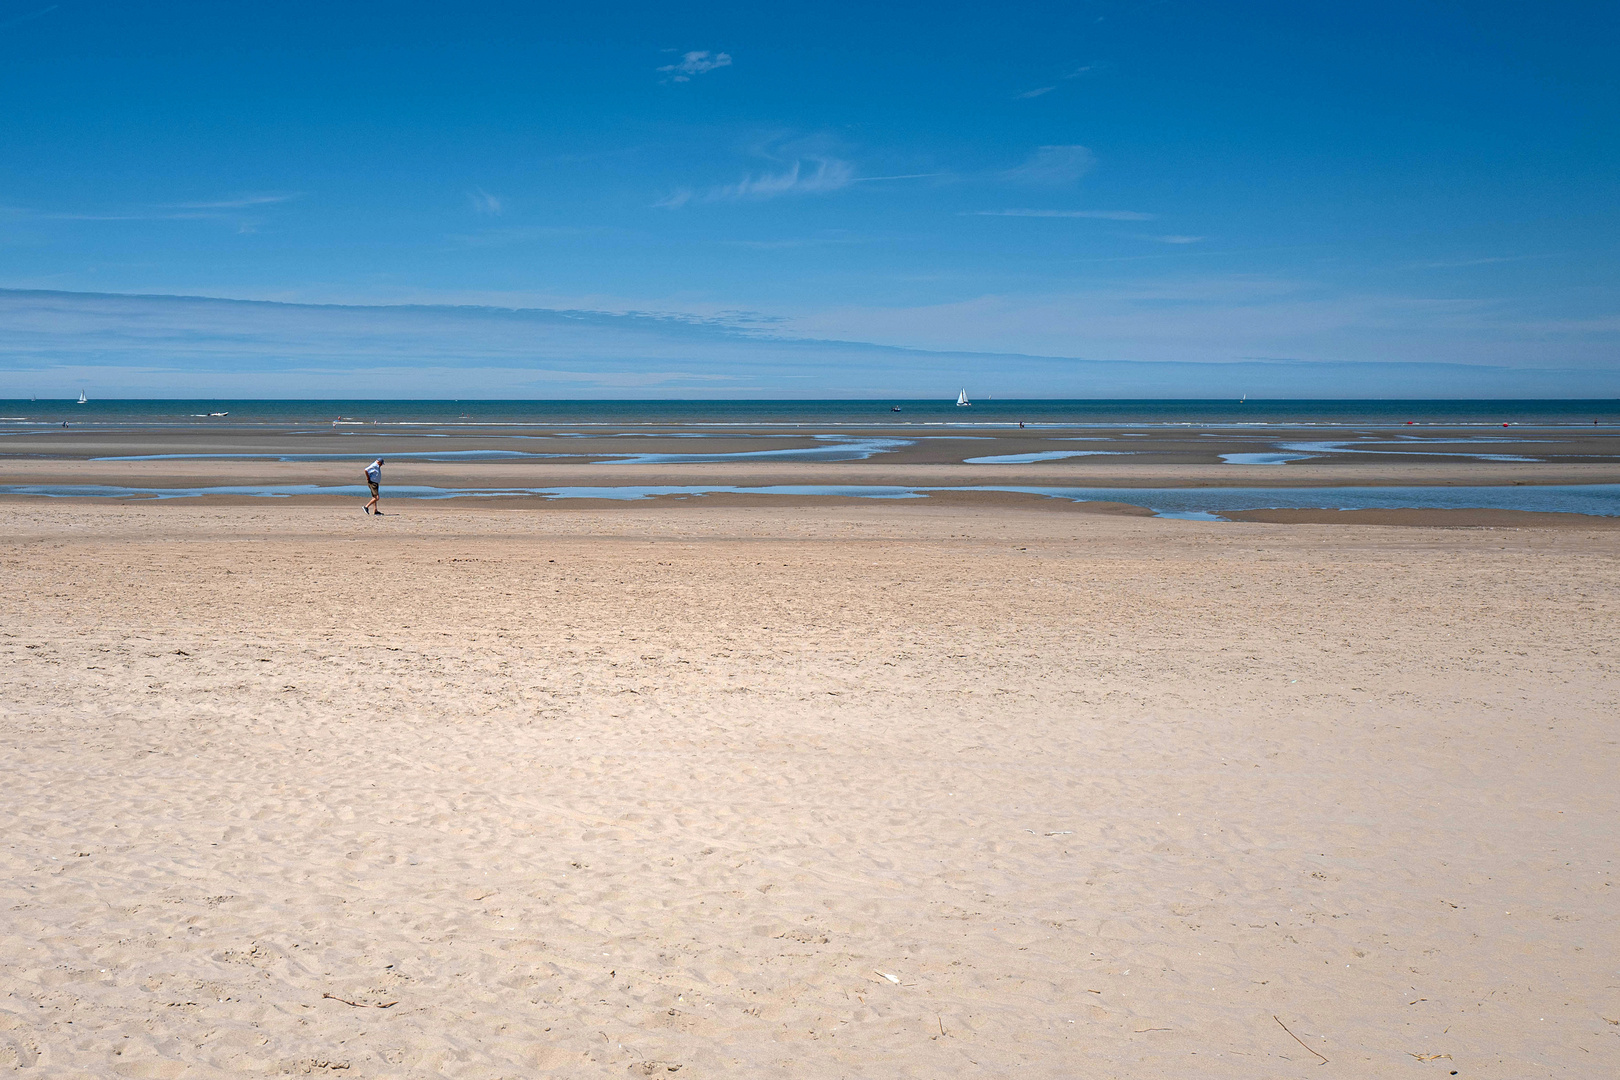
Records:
x=632, y=415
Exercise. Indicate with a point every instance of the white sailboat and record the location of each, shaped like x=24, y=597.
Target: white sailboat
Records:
x=962, y=398
x=82, y=399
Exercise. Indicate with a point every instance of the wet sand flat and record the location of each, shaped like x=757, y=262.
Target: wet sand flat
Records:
x=200, y=455
x=1093, y=472
x=903, y=789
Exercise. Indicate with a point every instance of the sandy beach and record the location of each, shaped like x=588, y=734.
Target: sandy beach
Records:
x=903, y=789
x=1045, y=541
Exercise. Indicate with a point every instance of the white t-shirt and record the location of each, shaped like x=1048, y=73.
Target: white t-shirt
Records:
x=374, y=471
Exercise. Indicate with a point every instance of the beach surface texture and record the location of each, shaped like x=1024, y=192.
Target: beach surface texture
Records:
x=902, y=789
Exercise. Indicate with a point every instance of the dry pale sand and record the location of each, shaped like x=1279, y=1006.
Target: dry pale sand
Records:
x=869, y=790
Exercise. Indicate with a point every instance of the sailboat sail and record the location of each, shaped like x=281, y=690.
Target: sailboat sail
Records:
x=82, y=399
x=962, y=398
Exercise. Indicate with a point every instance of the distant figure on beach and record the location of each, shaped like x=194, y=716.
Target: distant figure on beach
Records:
x=374, y=478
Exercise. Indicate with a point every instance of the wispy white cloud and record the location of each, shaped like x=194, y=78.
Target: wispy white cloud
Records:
x=79, y=215
x=504, y=237
x=485, y=203
x=240, y=202
x=1486, y=261
x=1053, y=166
x=795, y=242
x=1207, y=317
x=1177, y=238
x=623, y=380
x=804, y=176
x=1100, y=215
x=823, y=175
x=695, y=63
x=178, y=346
x=897, y=176
x=214, y=210
x=30, y=17
x=1040, y=91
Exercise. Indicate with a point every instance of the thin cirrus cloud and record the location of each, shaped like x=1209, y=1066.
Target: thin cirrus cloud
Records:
x=697, y=62
x=213, y=210
x=1053, y=166
x=241, y=202
x=493, y=238
x=485, y=203
x=29, y=17
x=1485, y=261
x=827, y=174
x=1176, y=238
x=1042, y=90
x=795, y=242
x=1099, y=215
x=813, y=176
x=177, y=346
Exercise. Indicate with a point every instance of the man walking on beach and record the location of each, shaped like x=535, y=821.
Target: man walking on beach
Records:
x=374, y=478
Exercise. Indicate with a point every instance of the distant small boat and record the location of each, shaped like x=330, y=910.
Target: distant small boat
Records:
x=219, y=414
x=1243, y=400
x=894, y=408
x=82, y=399
x=962, y=399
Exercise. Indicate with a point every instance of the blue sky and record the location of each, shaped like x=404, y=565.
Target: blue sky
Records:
x=968, y=192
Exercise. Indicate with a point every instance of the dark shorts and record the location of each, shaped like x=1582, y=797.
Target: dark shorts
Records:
x=373, y=487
